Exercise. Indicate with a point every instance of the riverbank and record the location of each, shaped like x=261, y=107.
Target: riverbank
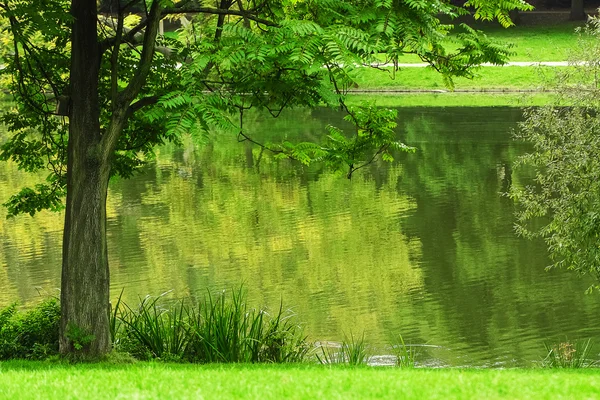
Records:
x=34, y=380
x=395, y=99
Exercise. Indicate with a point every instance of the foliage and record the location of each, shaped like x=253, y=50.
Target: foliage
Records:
x=218, y=329
x=32, y=334
x=268, y=55
x=562, y=205
x=406, y=354
x=569, y=354
x=79, y=336
x=34, y=380
x=352, y=351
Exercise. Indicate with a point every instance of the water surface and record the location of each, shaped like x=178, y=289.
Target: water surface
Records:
x=424, y=247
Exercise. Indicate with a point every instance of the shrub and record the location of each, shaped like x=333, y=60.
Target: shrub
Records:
x=32, y=334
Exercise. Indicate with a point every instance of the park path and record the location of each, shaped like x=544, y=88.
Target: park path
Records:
x=508, y=64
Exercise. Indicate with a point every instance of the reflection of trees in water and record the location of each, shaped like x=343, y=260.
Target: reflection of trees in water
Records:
x=423, y=247
x=332, y=248
x=487, y=282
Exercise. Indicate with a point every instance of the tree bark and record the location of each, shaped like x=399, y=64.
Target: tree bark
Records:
x=577, y=11
x=85, y=276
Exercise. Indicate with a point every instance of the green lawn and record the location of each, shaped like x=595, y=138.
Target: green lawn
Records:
x=31, y=380
x=507, y=78
x=538, y=43
x=451, y=99
x=530, y=43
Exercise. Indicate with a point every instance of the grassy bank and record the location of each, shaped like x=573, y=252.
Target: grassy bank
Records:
x=33, y=380
x=451, y=99
x=531, y=44
x=487, y=78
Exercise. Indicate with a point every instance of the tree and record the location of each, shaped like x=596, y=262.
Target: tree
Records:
x=562, y=205
x=577, y=10
x=125, y=89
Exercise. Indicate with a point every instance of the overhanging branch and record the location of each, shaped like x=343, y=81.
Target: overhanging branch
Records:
x=188, y=8
x=192, y=9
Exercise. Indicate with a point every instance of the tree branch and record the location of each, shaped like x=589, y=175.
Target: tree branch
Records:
x=143, y=69
x=141, y=103
x=114, y=61
x=193, y=9
x=125, y=97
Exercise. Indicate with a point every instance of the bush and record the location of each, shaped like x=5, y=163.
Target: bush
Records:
x=221, y=328
x=562, y=204
x=32, y=334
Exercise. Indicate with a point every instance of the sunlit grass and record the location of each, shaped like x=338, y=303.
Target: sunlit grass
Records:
x=452, y=99
x=529, y=43
x=506, y=78
x=538, y=42
x=29, y=380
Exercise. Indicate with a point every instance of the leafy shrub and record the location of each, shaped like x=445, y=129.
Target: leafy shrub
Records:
x=32, y=334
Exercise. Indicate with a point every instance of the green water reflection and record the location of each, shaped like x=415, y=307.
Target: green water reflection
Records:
x=424, y=247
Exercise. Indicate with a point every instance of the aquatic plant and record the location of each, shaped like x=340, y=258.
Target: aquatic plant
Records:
x=225, y=329
x=152, y=330
x=220, y=328
x=352, y=351
x=569, y=354
x=406, y=354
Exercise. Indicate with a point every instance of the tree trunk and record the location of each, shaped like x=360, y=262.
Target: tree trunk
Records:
x=577, y=11
x=85, y=276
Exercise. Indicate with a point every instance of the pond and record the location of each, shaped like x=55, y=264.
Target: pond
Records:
x=424, y=247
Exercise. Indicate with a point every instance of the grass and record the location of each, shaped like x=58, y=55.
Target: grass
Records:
x=506, y=78
x=530, y=43
x=221, y=328
x=451, y=99
x=34, y=380
x=568, y=354
x=352, y=351
x=537, y=43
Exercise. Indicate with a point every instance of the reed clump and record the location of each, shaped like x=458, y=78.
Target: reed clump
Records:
x=220, y=328
x=569, y=354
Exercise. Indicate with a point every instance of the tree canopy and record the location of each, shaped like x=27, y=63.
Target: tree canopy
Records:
x=227, y=59
x=562, y=203
x=95, y=94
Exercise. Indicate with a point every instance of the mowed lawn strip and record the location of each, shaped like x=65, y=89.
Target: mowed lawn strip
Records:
x=31, y=380
x=425, y=78
x=451, y=99
x=529, y=43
